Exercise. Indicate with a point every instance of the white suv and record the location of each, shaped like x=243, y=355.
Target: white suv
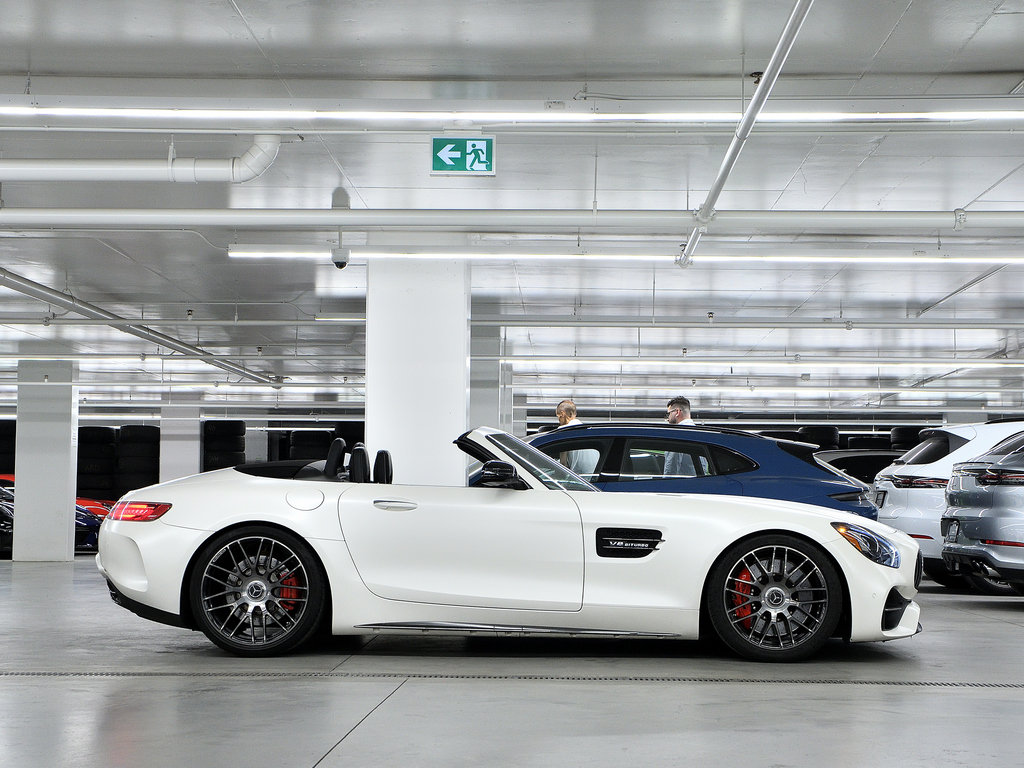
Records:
x=911, y=492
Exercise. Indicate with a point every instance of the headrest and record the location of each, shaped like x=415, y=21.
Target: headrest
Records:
x=359, y=464
x=382, y=471
x=335, y=456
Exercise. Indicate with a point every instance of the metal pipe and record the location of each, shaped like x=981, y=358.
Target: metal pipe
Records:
x=252, y=163
x=73, y=304
x=746, y=124
x=651, y=222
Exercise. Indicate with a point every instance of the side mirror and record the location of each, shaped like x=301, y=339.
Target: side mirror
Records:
x=500, y=474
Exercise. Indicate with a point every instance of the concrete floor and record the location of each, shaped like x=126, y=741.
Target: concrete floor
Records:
x=86, y=684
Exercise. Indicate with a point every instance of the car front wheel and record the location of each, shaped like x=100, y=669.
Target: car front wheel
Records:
x=257, y=591
x=774, y=598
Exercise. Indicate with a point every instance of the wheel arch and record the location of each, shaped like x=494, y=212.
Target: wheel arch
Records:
x=845, y=620
x=185, y=604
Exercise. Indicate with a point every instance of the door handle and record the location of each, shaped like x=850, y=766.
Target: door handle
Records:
x=395, y=505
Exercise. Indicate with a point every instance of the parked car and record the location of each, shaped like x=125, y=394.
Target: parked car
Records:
x=6, y=529
x=861, y=463
x=911, y=493
x=682, y=459
x=260, y=556
x=983, y=525
x=87, y=524
x=97, y=507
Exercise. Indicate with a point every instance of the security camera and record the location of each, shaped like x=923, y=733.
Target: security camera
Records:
x=340, y=257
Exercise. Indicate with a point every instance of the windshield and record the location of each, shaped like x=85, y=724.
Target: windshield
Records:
x=553, y=475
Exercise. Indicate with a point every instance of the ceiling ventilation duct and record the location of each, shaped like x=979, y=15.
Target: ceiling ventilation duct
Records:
x=252, y=163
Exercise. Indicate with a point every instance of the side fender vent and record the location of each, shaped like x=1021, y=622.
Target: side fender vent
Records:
x=627, y=542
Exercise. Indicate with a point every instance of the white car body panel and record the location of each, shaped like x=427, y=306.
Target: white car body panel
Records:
x=492, y=559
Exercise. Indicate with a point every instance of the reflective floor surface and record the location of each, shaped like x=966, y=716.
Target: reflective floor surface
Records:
x=86, y=683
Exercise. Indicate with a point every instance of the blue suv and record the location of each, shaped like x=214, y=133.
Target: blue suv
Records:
x=683, y=459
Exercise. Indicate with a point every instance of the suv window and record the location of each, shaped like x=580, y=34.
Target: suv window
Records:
x=1008, y=446
x=584, y=456
x=933, y=448
x=729, y=462
x=647, y=459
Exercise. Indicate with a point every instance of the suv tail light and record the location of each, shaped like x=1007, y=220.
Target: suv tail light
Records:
x=138, y=511
x=1000, y=477
x=906, y=481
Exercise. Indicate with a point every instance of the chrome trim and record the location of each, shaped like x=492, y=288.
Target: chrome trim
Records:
x=470, y=628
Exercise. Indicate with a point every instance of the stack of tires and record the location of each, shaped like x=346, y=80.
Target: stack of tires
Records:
x=904, y=438
x=138, y=457
x=825, y=437
x=8, y=428
x=97, y=463
x=223, y=444
x=309, y=444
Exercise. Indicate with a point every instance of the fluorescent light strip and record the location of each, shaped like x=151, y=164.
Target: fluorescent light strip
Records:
x=952, y=116
x=854, y=259
x=278, y=252
x=754, y=363
x=512, y=255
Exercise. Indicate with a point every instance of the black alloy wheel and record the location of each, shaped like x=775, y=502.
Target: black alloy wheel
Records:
x=257, y=591
x=774, y=598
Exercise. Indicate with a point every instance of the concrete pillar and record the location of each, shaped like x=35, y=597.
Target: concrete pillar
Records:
x=46, y=461
x=180, y=447
x=417, y=366
x=485, y=378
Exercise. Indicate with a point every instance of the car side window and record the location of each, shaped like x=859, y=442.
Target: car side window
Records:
x=729, y=462
x=583, y=456
x=647, y=459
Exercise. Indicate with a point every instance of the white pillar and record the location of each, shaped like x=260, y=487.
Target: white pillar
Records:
x=417, y=366
x=180, y=447
x=485, y=378
x=46, y=461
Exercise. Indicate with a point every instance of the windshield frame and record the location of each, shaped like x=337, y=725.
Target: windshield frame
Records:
x=541, y=467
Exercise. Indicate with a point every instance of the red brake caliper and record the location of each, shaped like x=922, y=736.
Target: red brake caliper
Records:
x=289, y=594
x=743, y=584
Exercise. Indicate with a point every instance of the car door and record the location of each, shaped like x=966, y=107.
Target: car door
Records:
x=668, y=466
x=481, y=547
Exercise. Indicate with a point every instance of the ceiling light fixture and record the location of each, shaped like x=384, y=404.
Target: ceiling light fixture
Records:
x=243, y=251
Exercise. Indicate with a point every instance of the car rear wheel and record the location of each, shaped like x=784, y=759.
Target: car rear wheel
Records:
x=774, y=598
x=988, y=582
x=257, y=591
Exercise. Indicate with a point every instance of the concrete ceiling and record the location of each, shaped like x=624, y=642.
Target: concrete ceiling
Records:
x=850, y=339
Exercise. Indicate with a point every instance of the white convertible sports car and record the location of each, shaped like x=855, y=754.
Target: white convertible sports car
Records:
x=260, y=557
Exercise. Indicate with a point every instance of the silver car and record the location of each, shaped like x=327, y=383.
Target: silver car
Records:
x=983, y=525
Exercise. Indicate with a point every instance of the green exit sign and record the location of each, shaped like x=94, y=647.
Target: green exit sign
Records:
x=465, y=156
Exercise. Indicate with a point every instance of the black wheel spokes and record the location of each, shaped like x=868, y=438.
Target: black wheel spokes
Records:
x=776, y=597
x=254, y=590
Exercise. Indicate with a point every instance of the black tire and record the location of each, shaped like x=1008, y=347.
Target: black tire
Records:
x=96, y=465
x=7, y=462
x=236, y=593
x=231, y=444
x=224, y=429
x=97, y=435
x=146, y=465
x=989, y=583
x=97, y=451
x=825, y=437
x=940, y=575
x=141, y=450
x=214, y=460
x=758, y=610
x=97, y=482
x=139, y=433
x=130, y=481
x=908, y=436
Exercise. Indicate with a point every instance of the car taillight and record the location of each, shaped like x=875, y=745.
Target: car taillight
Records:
x=906, y=481
x=1000, y=477
x=137, y=511
x=1002, y=543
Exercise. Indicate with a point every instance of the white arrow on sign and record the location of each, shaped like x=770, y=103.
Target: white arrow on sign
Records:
x=447, y=154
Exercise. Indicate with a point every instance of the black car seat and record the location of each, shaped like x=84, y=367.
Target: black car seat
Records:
x=359, y=464
x=335, y=458
x=382, y=470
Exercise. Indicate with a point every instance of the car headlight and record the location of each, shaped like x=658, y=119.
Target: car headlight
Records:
x=876, y=548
